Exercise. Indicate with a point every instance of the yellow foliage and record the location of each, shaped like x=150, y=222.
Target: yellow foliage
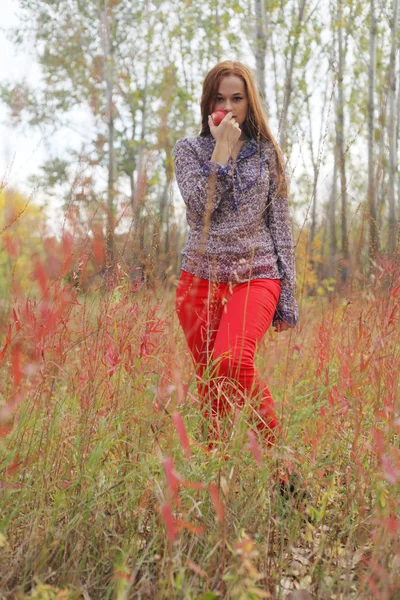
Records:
x=307, y=262
x=22, y=229
x=50, y=592
x=308, y=259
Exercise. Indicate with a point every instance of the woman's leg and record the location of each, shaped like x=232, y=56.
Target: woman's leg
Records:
x=199, y=309
x=247, y=316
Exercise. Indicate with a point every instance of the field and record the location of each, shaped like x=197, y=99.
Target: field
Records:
x=108, y=491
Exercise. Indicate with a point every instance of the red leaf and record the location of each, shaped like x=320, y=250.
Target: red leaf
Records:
x=40, y=275
x=16, y=321
x=180, y=428
x=219, y=509
x=16, y=364
x=11, y=244
x=9, y=333
x=390, y=473
x=392, y=524
x=98, y=249
x=121, y=575
x=168, y=521
x=193, y=485
x=254, y=446
x=5, y=429
x=12, y=468
x=196, y=568
x=189, y=526
x=171, y=475
x=396, y=291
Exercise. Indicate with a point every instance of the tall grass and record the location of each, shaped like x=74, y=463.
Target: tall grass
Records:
x=107, y=489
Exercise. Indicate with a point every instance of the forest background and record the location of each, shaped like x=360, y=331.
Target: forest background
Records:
x=125, y=77
x=328, y=74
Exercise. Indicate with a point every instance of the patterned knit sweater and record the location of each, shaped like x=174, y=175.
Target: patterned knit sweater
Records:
x=241, y=229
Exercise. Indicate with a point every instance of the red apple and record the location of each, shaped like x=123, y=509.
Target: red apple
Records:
x=217, y=116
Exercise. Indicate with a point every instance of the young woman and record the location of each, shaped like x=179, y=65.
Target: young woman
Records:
x=238, y=271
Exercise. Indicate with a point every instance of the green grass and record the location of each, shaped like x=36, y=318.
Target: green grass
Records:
x=83, y=477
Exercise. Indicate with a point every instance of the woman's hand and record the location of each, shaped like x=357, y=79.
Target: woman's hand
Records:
x=282, y=326
x=227, y=132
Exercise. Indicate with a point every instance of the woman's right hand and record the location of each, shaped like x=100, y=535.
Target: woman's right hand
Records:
x=228, y=131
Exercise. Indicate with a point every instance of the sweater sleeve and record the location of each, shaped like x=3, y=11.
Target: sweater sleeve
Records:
x=193, y=179
x=280, y=226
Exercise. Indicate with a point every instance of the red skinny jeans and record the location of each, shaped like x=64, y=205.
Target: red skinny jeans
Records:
x=222, y=324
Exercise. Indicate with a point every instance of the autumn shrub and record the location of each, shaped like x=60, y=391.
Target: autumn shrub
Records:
x=107, y=487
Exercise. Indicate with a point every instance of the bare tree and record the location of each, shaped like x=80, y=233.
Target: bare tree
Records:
x=373, y=224
x=332, y=220
x=289, y=76
x=316, y=156
x=341, y=148
x=398, y=130
x=392, y=132
x=261, y=44
x=107, y=25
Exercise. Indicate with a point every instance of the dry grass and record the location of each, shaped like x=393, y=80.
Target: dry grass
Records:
x=101, y=497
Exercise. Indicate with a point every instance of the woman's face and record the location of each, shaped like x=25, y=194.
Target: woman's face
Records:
x=232, y=96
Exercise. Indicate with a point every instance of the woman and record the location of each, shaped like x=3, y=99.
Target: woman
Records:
x=238, y=271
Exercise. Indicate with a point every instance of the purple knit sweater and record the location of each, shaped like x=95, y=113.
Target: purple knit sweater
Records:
x=249, y=234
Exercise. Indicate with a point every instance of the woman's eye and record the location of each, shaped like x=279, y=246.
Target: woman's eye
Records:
x=218, y=99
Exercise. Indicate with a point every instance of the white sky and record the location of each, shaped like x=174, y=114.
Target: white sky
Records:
x=20, y=154
x=23, y=150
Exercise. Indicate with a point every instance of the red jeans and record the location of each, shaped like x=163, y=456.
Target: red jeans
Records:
x=222, y=324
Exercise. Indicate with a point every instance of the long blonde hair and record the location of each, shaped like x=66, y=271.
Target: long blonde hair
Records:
x=256, y=122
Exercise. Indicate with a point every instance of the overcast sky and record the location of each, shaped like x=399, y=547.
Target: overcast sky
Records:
x=24, y=150
x=20, y=154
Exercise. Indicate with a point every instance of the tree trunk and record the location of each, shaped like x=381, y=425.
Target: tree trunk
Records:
x=398, y=128
x=397, y=148
x=392, y=134
x=218, y=32
x=315, y=173
x=316, y=157
x=276, y=78
x=260, y=45
x=380, y=178
x=159, y=229
x=108, y=49
x=140, y=186
x=345, y=260
x=373, y=224
x=289, y=78
x=332, y=220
